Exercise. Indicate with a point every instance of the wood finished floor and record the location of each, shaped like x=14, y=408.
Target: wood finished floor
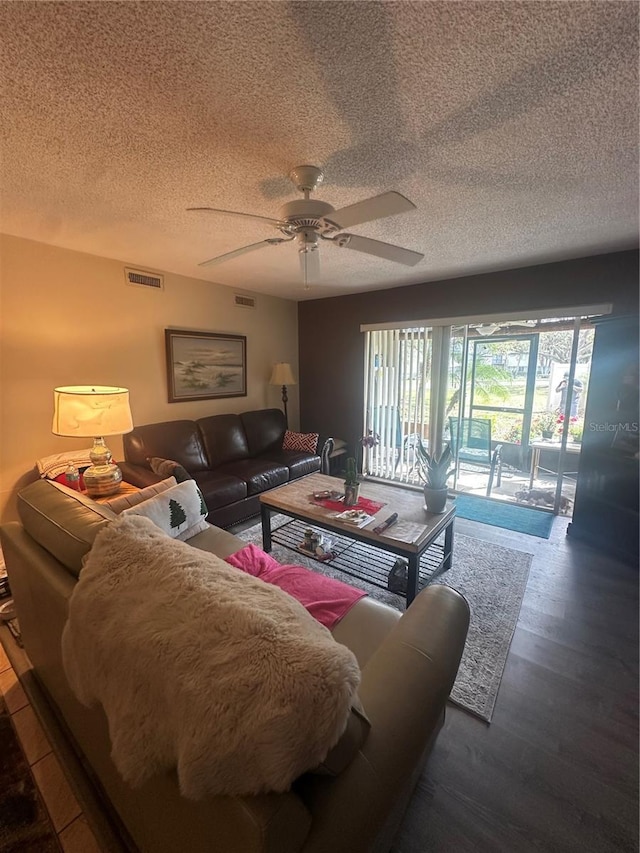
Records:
x=557, y=769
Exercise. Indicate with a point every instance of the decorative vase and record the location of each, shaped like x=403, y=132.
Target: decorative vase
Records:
x=351, y=493
x=547, y=433
x=435, y=499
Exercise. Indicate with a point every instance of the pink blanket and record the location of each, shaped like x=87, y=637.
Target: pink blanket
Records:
x=326, y=599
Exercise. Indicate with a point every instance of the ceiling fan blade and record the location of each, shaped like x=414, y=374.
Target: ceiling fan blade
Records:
x=377, y=207
x=379, y=249
x=272, y=241
x=276, y=222
x=310, y=267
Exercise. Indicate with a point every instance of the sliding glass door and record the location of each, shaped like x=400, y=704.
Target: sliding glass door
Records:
x=493, y=392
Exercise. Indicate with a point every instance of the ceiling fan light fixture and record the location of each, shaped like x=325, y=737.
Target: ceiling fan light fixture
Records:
x=487, y=328
x=309, y=264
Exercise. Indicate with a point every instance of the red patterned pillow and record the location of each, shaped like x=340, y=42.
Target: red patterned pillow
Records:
x=307, y=442
x=62, y=478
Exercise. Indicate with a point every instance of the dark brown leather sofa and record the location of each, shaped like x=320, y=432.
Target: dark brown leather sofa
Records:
x=232, y=458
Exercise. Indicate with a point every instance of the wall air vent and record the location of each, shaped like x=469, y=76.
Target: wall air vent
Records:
x=244, y=301
x=144, y=279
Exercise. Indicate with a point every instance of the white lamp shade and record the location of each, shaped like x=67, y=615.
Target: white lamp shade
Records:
x=91, y=410
x=282, y=374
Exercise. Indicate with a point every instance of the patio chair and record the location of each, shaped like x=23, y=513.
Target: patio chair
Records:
x=475, y=446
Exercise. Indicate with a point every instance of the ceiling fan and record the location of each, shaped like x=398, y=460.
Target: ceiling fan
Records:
x=307, y=221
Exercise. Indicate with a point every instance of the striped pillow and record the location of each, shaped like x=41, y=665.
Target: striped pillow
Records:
x=306, y=442
x=129, y=499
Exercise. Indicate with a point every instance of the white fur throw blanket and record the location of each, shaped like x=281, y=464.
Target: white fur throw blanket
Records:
x=202, y=668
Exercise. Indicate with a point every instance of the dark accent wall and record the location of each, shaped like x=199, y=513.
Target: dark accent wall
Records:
x=331, y=345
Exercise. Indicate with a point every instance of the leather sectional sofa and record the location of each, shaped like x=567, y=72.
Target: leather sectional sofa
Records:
x=408, y=663
x=233, y=459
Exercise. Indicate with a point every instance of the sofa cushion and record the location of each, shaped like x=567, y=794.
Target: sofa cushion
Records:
x=307, y=442
x=178, y=440
x=179, y=512
x=351, y=741
x=223, y=439
x=299, y=464
x=264, y=429
x=220, y=489
x=62, y=521
x=258, y=474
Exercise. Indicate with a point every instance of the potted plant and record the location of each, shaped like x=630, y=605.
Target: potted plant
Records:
x=351, y=483
x=545, y=423
x=434, y=471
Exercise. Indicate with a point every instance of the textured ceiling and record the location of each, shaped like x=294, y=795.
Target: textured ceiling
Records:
x=512, y=126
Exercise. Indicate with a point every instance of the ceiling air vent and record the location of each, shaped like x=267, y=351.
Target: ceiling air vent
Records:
x=244, y=301
x=144, y=279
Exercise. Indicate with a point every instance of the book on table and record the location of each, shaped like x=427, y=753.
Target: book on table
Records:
x=355, y=517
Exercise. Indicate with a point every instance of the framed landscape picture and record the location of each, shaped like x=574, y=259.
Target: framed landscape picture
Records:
x=205, y=365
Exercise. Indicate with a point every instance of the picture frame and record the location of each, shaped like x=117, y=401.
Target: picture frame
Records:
x=205, y=365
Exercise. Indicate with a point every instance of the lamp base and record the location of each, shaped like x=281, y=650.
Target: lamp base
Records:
x=102, y=477
x=102, y=480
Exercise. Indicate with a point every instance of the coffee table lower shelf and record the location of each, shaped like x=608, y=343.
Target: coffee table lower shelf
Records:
x=358, y=559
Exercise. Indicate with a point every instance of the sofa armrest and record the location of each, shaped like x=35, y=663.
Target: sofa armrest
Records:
x=137, y=475
x=404, y=688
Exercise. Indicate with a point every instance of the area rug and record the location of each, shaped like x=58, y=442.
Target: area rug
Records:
x=24, y=822
x=492, y=579
x=522, y=519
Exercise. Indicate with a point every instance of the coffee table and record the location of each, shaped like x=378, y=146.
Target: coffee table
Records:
x=412, y=537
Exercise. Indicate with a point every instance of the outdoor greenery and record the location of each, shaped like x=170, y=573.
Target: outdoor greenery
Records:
x=544, y=422
x=500, y=382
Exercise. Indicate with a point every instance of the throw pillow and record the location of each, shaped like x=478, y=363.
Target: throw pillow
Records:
x=306, y=442
x=179, y=511
x=168, y=468
x=122, y=502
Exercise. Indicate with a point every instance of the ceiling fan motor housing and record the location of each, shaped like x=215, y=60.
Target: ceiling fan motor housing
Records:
x=306, y=214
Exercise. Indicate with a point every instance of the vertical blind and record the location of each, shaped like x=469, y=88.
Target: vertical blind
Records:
x=397, y=399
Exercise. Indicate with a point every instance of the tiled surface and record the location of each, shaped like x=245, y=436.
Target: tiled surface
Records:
x=4, y=660
x=11, y=689
x=31, y=734
x=78, y=838
x=74, y=833
x=56, y=793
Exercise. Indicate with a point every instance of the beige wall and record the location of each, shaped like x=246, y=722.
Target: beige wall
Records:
x=68, y=318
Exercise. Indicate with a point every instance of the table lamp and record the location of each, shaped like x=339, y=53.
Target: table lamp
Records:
x=282, y=375
x=94, y=411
